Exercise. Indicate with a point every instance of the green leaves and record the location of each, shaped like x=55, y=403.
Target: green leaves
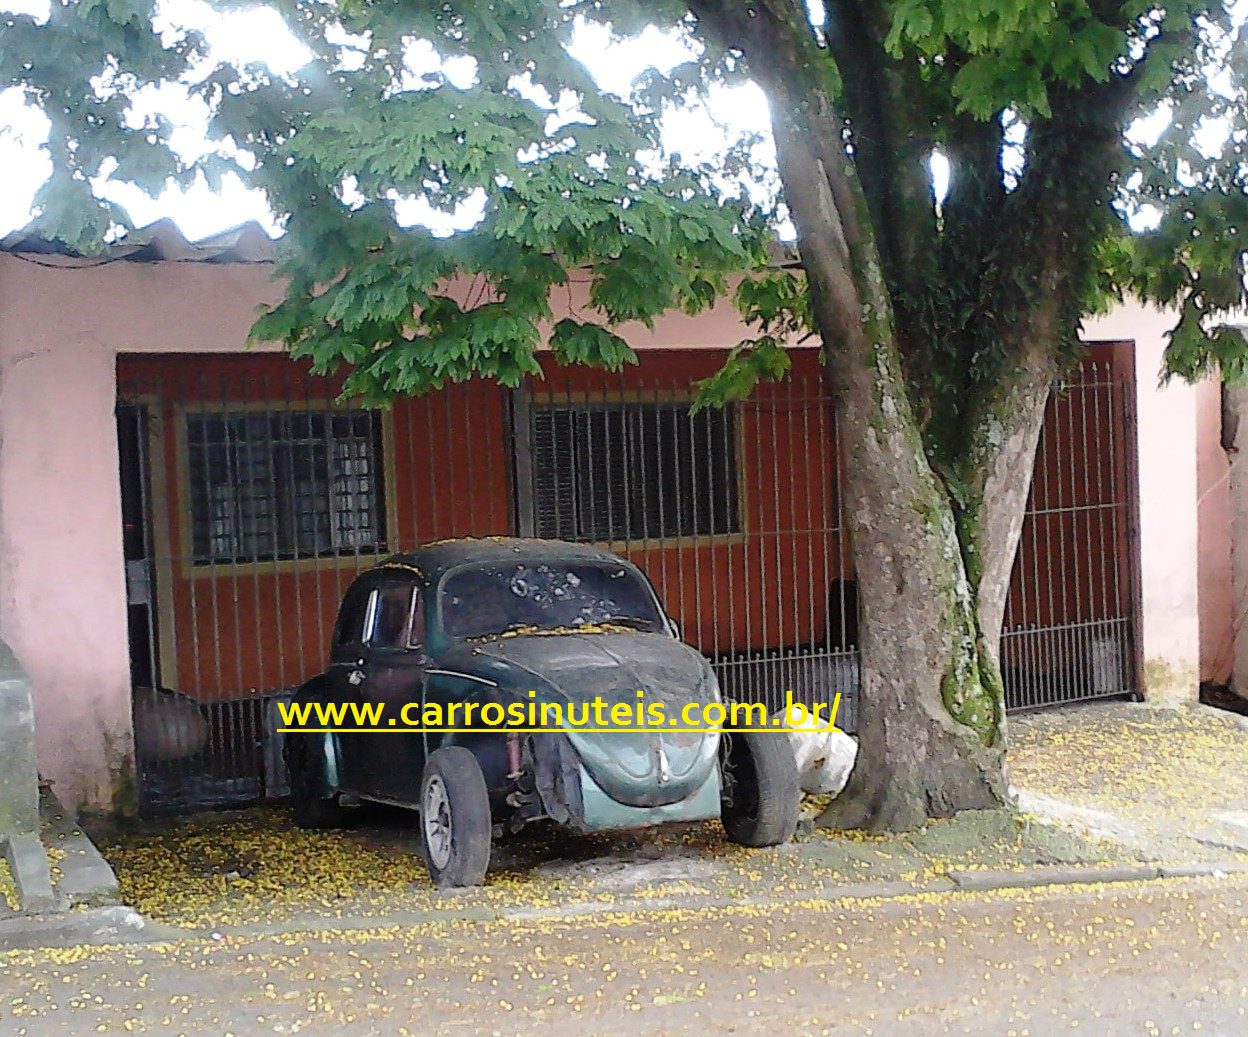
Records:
x=914, y=21
x=1203, y=343
x=81, y=220
x=763, y=359
x=1011, y=53
x=576, y=342
x=1076, y=74
x=777, y=301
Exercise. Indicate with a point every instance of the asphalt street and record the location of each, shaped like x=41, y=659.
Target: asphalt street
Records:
x=1162, y=957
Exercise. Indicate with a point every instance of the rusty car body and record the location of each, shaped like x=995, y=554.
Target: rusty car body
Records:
x=512, y=620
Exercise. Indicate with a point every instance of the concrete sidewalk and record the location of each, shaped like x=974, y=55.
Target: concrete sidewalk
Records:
x=56, y=888
x=254, y=871
x=1163, y=784
x=1130, y=818
x=1164, y=799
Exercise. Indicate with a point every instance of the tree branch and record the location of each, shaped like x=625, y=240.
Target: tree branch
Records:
x=776, y=40
x=892, y=139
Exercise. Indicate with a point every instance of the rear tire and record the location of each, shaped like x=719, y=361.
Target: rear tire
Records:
x=305, y=763
x=456, y=827
x=762, y=794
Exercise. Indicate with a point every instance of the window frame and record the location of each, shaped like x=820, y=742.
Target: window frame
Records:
x=523, y=402
x=359, y=596
x=438, y=589
x=412, y=612
x=418, y=612
x=193, y=566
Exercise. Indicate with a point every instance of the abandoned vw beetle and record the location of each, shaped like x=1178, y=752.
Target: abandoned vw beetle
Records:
x=510, y=621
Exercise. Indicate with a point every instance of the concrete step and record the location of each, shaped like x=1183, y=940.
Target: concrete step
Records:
x=28, y=863
x=81, y=875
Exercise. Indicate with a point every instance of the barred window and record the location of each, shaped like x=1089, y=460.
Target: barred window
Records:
x=632, y=471
x=267, y=485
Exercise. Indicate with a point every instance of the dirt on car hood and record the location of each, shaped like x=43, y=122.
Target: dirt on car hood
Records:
x=649, y=768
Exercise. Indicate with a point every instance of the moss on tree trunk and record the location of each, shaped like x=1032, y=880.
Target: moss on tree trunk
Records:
x=938, y=447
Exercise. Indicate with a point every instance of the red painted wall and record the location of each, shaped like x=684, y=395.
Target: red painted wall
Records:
x=254, y=628
x=236, y=630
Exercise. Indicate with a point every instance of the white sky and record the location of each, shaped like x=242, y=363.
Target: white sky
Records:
x=260, y=35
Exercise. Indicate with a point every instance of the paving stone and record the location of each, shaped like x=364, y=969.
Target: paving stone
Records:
x=85, y=877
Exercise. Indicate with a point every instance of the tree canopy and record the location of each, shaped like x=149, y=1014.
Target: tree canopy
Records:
x=334, y=143
x=1093, y=147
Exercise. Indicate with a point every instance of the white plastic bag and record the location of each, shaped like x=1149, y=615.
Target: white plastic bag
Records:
x=824, y=758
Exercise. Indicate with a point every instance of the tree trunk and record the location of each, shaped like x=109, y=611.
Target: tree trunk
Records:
x=932, y=560
x=997, y=465
x=932, y=566
x=933, y=586
x=931, y=725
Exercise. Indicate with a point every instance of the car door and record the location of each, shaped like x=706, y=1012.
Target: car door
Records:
x=395, y=673
x=346, y=677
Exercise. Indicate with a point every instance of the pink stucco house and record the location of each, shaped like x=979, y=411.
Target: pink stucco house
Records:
x=179, y=513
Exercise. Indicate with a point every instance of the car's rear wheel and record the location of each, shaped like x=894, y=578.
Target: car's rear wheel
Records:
x=761, y=792
x=455, y=822
x=305, y=763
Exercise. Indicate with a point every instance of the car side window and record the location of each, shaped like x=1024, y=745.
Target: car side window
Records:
x=392, y=615
x=416, y=628
x=355, y=608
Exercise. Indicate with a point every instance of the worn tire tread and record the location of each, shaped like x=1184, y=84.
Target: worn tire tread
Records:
x=778, y=789
x=472, y=826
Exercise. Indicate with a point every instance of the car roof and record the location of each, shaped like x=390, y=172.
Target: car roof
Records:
x=432, y=560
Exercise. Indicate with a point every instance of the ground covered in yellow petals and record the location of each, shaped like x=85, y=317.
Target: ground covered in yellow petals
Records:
x=255, y=868
x=1168, y=783
x=1101, y=785
x=8, y=891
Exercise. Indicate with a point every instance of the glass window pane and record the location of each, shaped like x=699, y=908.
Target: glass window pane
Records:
x=268, y=485
x=390, y=618
x=633, y=471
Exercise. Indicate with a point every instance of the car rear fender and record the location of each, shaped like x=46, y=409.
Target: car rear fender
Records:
x=328, y=747
x=490, y=749
x=557, y=775
x=330, y=773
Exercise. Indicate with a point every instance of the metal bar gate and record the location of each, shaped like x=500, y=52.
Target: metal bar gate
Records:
x=252, y=500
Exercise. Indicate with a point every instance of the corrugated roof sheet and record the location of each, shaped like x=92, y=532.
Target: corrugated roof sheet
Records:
x=161, y=241
x=249, y=242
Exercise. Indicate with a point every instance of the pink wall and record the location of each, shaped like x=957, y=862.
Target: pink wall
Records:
x=1217, y=601
x=1168, y=496
x=62, y=585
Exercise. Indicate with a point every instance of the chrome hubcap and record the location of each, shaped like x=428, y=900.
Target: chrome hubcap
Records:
x=436, y=818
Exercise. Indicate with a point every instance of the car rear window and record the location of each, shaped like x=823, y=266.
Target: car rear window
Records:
x=546, y=596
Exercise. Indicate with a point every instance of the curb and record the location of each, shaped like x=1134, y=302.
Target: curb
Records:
x=32, y=875
x=990, y=879
x=981, y=881
x=85, y=877
x=117, y=924
x=858, y=891
x=985, y=881
x=100, y=925
x=1198, y=871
